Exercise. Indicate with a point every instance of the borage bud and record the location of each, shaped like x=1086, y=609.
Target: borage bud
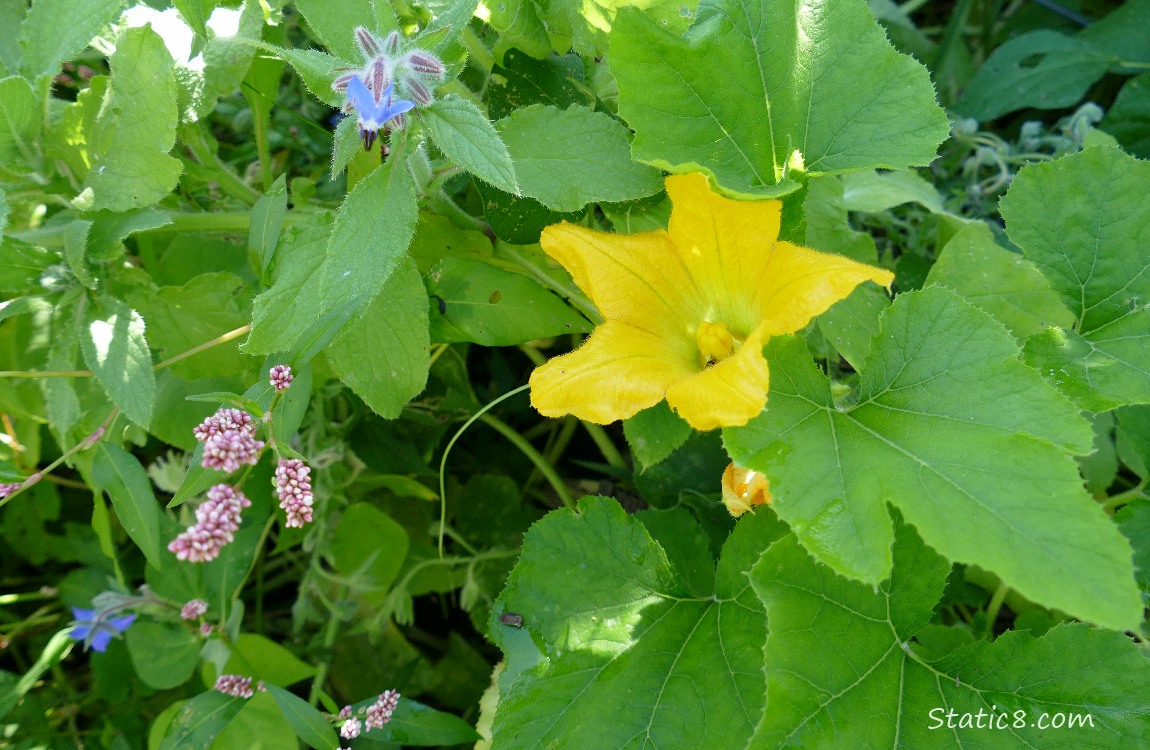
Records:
x=415, y=89
x=367, y=42
x=424, y=63
x=391, y=44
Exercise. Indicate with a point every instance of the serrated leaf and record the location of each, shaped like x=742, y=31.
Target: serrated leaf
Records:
x=369, y=238
x=824, y=82
x=383, y=355
x=870, y=687
x=592, y=151
x=267, y=219
x=117, y=353
x=347, y=143
x=999, y=282
x=309, y=724
x=120, y=474
x=1042, y=69
x=467, y=137
x=600, y=598
x=135, y=129
x=58, y=30
x=475, y=301
x=283, y=312
x=1081, y=221
x=334, y=23
x=315, y=68
x=959, y=435
x=655, y=433
x=110, y=228
x=19, y=121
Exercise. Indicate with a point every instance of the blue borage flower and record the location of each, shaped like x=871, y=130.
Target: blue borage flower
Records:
x=96, y=629
x=395, y=82
x=375, y=109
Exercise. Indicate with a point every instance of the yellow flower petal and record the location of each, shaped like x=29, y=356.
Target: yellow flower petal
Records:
x=727, y=394
x=632, y=278
x=724, y=243
x=619, y=371
x=798, y=283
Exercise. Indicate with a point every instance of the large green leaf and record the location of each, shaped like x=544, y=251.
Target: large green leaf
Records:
x=19, y=120
x=1083, y=222
x=58, y=30
x=999, y=282
x=522, y=81
x=135, y=128
x=283, y=312
x=843, y=669
x=383, y=355
x=591, y=150
x=1041, y=69
x=307, y=720
x=116, y=351
x=965, y=440
x=612, y=630
x=475, y=301
x=369, y=548
x=468, y=138
x=120, y=474
x=163, y=654
x=200, y=720
x=334, y=23
x=370, y=236
x=812, y=77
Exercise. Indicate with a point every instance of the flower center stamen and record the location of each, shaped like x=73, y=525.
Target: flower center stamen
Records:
x=715, y=341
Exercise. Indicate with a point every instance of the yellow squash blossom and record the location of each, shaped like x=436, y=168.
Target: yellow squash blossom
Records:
x=744, y=489
x=687, y=311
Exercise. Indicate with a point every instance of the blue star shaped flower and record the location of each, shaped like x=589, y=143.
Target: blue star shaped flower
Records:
x=96, y=630
x=374, y=111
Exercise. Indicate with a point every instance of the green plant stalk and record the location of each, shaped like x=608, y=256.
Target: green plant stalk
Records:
x=994, y=606
x=603, y=443
x=528, y=450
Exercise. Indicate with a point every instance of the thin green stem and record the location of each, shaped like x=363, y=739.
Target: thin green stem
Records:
x=447, y=451
x=1115, y=501
x=330, y=635
x=994, y=606
x=603, y=443
x=221, y=339
x=528, y=450
x=194, y=140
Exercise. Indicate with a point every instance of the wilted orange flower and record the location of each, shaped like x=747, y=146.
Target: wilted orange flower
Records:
x=687, y=311
x=743, y=489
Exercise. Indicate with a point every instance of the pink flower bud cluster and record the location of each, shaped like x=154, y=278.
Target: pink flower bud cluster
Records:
x=229, y=440
x=375, y=716
x=194, y=609
x=379, y=713
x=281, y=377
x=293, y=487
x=351, y=728
x=217, y=520
x=240, y=687
x=7, y=488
